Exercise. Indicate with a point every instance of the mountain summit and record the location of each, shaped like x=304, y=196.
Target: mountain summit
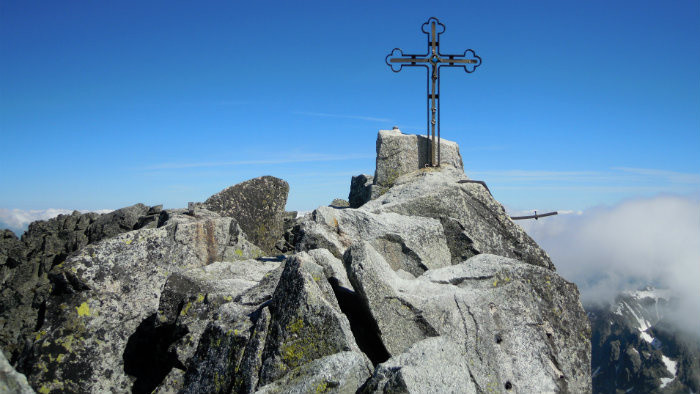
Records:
x=423, y=285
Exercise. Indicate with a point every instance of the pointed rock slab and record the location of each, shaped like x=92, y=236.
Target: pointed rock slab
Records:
x=399, y=154
x=99, y=321
x=306, y=322
x=342, y=372
x=483, y=225
x=409, y=244
x=258, y=207
x=518, y=325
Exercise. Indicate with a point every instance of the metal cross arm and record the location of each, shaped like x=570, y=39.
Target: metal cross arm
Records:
x=433, y=60
x=413, y=60
x=535, y=216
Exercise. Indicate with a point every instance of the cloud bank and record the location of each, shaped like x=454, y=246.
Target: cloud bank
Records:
x=632, y=244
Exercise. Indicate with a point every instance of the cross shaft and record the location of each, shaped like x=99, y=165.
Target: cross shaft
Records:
x=433, y=61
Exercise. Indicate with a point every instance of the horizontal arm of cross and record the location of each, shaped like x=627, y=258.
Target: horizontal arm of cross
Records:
x=468, y=61
x=409, y=60
x=427, y=60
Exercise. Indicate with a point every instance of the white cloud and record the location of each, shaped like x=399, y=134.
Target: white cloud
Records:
x=19, y=219
x=638, y=242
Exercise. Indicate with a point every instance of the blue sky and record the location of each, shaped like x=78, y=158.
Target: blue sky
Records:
x=577, y=103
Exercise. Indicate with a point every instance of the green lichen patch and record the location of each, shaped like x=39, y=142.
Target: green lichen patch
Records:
x=83, y=309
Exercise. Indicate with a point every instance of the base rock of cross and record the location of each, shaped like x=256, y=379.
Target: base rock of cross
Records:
x=424, y=284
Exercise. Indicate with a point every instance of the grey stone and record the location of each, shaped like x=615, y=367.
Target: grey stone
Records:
x=333, y=268
x=412, y=244
x=360, y=190
x=342, y=372
x=306, y=321
x=286, y=243
x=399, y=154
x=12, y=381
x=116, y=222
x=431, y=281
x=228, y=326
x=99, y=332
x=172, y=383
x=518, y=325
x=213, y=367
x=24, y=265
x=246, y=379
x=399, y=324
x=476, y=222
x=339, y=203
x=434, y=365
x=258, y=207
x=192, y=298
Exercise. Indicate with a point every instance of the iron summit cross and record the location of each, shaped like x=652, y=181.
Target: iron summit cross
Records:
x=433, y=61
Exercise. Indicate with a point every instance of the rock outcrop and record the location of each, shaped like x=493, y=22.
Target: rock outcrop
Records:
x=24, y=263
x=427, y=287
x=98, y=330
x=258, y=207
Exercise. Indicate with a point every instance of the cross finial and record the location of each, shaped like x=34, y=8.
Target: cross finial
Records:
x=433, y=60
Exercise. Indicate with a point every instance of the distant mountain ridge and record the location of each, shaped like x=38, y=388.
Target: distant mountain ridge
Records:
x=637, y=348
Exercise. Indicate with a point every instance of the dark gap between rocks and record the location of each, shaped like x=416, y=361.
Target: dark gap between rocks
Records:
x=363, y=326
x=40, y=316
x=146, y=355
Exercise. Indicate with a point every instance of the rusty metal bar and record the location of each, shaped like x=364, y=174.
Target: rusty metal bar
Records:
x=482, y=183
x=409, y=60
x=535, y=216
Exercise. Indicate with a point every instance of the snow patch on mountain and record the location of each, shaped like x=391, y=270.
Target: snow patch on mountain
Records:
x=671, y=366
